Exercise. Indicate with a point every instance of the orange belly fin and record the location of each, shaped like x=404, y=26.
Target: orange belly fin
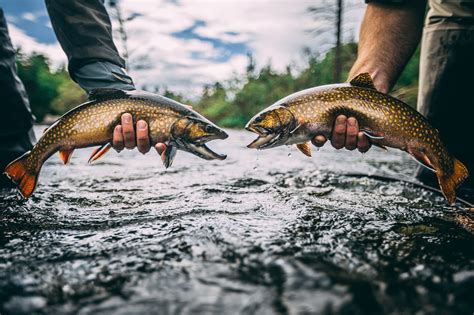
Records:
x=99, y=152
x=422, y=158
x=305, y=148
x=65, y=156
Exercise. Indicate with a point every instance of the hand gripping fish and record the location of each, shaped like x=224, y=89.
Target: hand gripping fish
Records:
x=93, y=123
x=297, y=118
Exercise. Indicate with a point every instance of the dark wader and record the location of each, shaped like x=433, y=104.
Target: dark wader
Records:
x=84, y=31
x=446, y=90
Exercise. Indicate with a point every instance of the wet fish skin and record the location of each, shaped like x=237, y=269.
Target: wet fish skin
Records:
x=93, y=123
x=297, y=118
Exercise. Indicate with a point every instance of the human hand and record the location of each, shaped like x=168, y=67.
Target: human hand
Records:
x=125, y=136
x=345, y=133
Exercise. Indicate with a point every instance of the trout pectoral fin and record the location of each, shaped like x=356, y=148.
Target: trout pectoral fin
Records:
x=65, y=155
x=99, y=152
x=373, y=134
x=422, y=158
x=305, y=148
x=167, y=157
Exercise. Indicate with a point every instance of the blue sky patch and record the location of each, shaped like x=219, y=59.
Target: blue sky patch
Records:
x=31, y=17
x=226, y=50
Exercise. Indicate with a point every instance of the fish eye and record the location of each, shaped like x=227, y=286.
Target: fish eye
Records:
x=209, y=128
x=258, y=119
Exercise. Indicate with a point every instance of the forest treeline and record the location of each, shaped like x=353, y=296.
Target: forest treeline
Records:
x=230, y=104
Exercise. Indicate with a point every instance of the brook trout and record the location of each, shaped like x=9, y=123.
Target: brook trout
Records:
x=93, y=123
x=387, y=121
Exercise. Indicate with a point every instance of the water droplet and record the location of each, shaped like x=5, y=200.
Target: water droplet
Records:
x=255, y=168
x=289, y=154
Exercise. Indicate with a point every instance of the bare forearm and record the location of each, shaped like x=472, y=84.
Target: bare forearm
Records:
x=388, y=37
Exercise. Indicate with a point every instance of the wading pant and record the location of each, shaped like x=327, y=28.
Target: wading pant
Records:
x=84, y=31
x=446, y=90
x=16, y=135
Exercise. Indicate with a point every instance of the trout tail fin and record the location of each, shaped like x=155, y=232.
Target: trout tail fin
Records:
x=449, y=182
x=23, y=175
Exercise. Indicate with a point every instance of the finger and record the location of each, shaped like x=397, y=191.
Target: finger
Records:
x=189, y=106
x=117, y=139
x=143, y=141
x=160, y=148
x=363, y=143
x=319, y=140
x=338, y=137
x=128, y=131
x=351, y=133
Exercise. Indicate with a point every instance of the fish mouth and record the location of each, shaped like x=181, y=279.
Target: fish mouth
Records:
x=264, y=140
x=202, y=150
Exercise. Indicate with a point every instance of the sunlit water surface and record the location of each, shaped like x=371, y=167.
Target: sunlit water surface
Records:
x=263, y=232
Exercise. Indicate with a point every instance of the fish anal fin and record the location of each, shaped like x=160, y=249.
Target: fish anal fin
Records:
x=65, y=155
x=449, y=182
x=305, y=148
x=99, y=152
x=363, y=80
x=381, y=146
x=422, y=158
x=373, y=134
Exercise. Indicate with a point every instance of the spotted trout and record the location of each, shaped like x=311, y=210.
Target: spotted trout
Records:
x=93, y=123
x=387, y=121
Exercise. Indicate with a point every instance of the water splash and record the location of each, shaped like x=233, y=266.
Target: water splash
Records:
x=123, y=237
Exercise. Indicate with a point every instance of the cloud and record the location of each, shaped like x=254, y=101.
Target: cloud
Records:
x=186, y=44
x=29, y=45
x=29, y=16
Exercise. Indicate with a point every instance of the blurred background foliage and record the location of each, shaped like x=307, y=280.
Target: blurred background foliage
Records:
x=50, y=92
x=230, y=104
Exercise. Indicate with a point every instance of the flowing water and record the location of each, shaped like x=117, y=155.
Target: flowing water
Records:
x=263, y=232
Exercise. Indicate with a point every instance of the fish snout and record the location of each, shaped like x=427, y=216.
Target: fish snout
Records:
x=223, y=135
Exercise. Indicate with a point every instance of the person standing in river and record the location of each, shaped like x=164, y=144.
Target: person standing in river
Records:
x=84, y=31
x=390, y=32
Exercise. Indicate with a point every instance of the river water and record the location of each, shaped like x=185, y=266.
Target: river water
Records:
x=263, y=232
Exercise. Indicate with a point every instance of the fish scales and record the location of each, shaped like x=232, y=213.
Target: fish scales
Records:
x=93, y=123
x=297, y=118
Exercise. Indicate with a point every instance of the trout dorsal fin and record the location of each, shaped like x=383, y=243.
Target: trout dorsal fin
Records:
x=106, y=92
x=363, y=80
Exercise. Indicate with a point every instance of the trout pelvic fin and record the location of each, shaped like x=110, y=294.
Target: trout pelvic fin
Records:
x=65, y=155
x=21, y=175
x=305, y=148
x=99, y=152
x=363, y=80
x=449, y=182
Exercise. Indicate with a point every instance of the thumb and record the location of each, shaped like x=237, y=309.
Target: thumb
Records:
x=319, y=140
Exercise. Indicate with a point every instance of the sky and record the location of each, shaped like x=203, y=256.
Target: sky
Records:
x=185, y=44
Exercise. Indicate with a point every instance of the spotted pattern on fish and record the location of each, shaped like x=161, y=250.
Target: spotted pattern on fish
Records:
x=93, y=123
x=373, y=110
x=299, y=117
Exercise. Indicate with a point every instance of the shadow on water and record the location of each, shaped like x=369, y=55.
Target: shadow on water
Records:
x=260, y=233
